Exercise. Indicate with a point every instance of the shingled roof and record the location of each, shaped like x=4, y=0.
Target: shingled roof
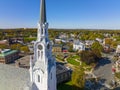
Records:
x=12, y=78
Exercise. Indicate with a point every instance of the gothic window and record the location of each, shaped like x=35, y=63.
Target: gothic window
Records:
x=41, y=54
x=42, y=31
x=38, y=78
x=38, y=54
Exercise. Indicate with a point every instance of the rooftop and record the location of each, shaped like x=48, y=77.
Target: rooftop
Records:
x=12, y=78
x=6, y=52
x=18, y=78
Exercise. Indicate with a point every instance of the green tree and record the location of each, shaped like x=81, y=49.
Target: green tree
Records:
x=71, y=48
x=97, y=54
x=114, y=44
x=108, y=41
x=3, y=46
x=90, y=56
x=78, y=79
x=97, y=46
x=25, y=49
x=15, y=46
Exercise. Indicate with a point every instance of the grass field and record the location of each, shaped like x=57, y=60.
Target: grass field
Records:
x=72, y=60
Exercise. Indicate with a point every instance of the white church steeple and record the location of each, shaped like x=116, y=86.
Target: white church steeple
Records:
x=42, y=25
x=43, y=65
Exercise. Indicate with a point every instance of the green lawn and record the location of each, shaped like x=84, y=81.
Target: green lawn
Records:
x=117, y=75
x=75, y=57
x=72, y=60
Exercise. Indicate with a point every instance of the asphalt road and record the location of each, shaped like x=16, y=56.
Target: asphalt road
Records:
x=104, y=70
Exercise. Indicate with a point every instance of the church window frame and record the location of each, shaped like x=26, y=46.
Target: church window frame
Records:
x=42, y=31
x=41, y=54
x=39, y=78
x=38, y=53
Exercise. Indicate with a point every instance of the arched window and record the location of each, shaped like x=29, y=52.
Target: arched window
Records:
x=38, y=54
x=38, y=78
x=41, y=31
x=41, y=54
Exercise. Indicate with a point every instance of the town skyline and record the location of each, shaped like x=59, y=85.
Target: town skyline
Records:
x=80, y=14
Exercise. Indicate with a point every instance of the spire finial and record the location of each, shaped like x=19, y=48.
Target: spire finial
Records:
x=43, y=12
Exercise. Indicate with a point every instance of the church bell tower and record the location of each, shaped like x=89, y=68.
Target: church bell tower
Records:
x=42, y=63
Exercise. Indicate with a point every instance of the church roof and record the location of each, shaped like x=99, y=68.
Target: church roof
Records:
x=12, y=78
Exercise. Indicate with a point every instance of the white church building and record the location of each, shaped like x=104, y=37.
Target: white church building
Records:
x=78, y=45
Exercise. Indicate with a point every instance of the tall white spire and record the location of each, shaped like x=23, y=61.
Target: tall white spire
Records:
x=42, y=25
x=43, y=12
x=43, y=67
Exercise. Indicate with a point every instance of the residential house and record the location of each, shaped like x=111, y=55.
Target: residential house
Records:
x=65, y=49
x=4, y=42
x=57, y=48
x=118, y=49
x=99, y=40
x=88, y=43
x=58, y=40
x=78, y=45
x=63, y=36
x=107, y=48
x=8, y=56
x=117, y=66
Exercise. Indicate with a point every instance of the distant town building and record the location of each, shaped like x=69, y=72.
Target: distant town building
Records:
x=88, y=43
x=63, y=36
x=7, y=56
x=16, y=40
x=72, y=35
x=57, y=48
x=4, y=42
x=117, y=66
x=65, y=49
x=118, y=49
x=31, y=46
x=71, y=40
x=99, y=40
x=107, y=41
x=58, y=40
x=77, y=45
x=107, y=48
x=64, y=40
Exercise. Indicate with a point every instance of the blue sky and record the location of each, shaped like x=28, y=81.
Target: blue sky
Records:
x=91, y=14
